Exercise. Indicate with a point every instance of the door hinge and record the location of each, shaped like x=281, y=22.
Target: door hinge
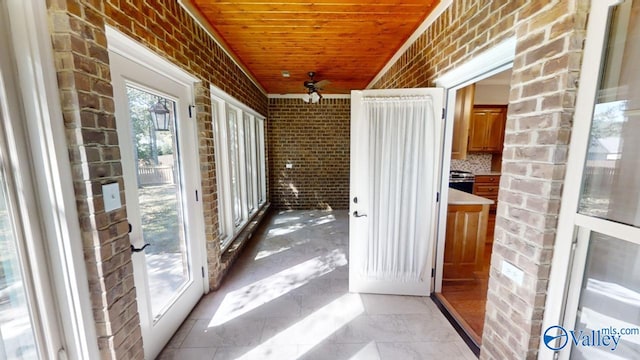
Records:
x=438, y=197
x=442, y=113
x=202, y=268
x=191, y=111
x=197, y=195
x=433, y=272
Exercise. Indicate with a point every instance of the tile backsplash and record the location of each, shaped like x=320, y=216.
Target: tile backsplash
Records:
x=475, y=163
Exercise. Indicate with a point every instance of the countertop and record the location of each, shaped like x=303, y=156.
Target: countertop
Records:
x=457, y=197
x=488, y=173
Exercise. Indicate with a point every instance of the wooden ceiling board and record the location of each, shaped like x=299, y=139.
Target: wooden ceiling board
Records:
x=344, y=41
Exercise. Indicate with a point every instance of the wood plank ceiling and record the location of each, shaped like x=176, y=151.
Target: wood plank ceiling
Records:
x=344, y=41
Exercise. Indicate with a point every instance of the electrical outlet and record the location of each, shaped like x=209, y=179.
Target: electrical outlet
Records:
x=289, y=166
x=516, y=275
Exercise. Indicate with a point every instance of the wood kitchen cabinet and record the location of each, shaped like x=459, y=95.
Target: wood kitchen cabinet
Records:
x=464, y=241
x=488, y=187
x=462, y=117
x=486, y=129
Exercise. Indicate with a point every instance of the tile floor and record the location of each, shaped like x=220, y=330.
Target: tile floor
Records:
x=287, y=298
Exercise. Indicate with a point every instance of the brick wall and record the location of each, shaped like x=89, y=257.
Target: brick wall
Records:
x=314, y=138
x=82, y=64
x=543, y=87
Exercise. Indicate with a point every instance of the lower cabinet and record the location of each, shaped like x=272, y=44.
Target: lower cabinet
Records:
x=465, y=239
x=488, y=187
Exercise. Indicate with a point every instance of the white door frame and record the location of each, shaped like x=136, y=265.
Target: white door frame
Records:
x=122, y=52
x=129, y=48
x=493, y=61
x=48, y=150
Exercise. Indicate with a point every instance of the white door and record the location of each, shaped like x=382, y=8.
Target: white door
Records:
x=161, y=182
x=396, y=151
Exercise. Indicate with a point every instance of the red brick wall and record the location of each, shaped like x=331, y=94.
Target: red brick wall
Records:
x=543, y=86
x=314, y=138
x=82, y=63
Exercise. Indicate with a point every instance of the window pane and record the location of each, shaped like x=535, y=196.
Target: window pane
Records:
x=160, y=200
x=218, y=125
x=609, y=299
x=248, y=162
x=611, y=186
x=254, y=163
x=234, y=163
x=262, y=160
x=16, y=333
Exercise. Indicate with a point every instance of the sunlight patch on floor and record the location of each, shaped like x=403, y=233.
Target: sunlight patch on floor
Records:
x=313, y=329
x=266, y=253
x=323, y=220
x=252, y=296
x=282, y=220
x=283, y=230
x=366, y=353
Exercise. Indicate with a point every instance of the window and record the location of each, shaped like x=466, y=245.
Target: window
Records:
x=240, y=157
x=598, y=237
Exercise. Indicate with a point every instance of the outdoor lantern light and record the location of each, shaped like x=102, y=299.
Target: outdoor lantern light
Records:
x=160, y=116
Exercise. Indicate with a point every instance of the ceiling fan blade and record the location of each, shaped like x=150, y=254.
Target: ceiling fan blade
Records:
x=322, y=83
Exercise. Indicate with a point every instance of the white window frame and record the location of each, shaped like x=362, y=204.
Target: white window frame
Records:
x=574, y=229
x=54, y=227
x=250, y=150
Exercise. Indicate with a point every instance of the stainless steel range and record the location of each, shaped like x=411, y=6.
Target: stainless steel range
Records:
x=461, y=180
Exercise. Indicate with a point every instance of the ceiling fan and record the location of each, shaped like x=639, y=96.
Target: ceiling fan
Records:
x=313, y=86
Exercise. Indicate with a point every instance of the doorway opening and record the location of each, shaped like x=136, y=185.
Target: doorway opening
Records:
x=474, y=180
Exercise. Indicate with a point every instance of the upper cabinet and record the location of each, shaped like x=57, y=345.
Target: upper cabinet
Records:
x=461, y=120
x=486, y=129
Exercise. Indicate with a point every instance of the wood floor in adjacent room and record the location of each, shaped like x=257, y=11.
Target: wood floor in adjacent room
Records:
x=467, y=300
x=287, y=298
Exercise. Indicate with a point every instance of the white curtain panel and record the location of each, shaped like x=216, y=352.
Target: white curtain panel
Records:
x=402, y=145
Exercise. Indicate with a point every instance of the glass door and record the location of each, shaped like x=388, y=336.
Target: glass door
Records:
x=158, y=146
x=17, y=336
x=602, y=319
x=30, y=309
x=159, y=196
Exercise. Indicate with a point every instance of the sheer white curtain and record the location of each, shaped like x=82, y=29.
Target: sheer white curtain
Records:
x=403, y=150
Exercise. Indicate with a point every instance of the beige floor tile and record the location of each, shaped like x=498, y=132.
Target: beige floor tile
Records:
x=420, y=351
x=266, y=310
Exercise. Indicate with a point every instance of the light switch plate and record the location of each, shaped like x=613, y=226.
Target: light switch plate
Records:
x=515, y=274
x=111, y=197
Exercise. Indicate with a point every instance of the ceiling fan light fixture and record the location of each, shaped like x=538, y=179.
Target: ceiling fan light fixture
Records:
x=315, y=97
x=306, y=98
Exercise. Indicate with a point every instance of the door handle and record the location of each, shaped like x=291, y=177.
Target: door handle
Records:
x=136, y=250
x=355, y=213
